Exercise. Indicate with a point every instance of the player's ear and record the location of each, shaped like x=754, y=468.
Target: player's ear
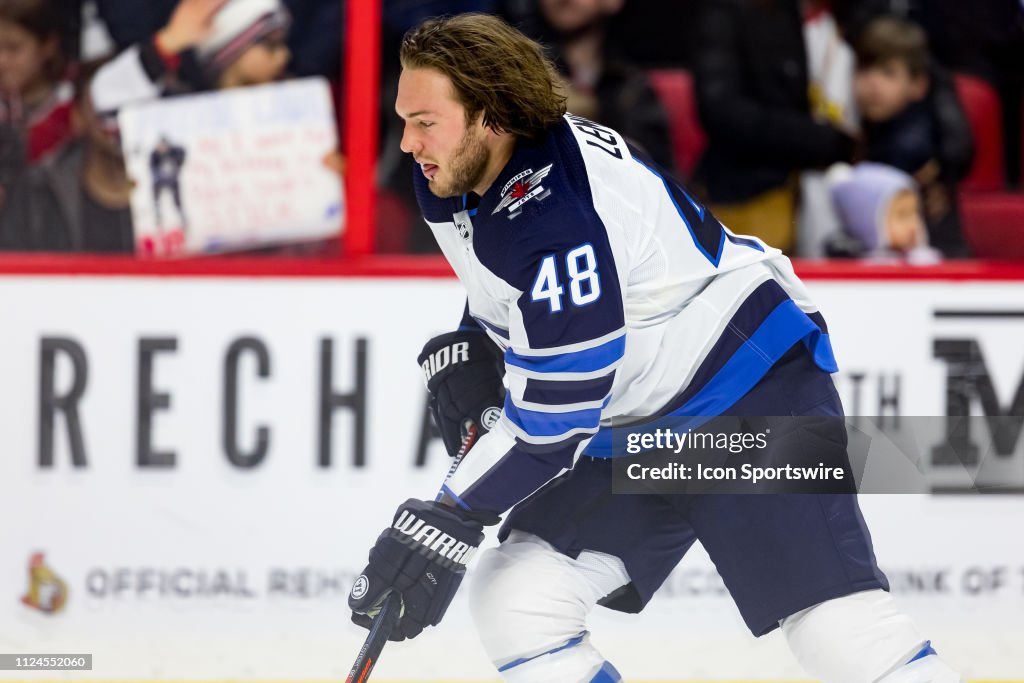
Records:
x=492, y=128
x=480, y=121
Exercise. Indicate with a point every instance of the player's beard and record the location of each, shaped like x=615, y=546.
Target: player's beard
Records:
x=466, y=167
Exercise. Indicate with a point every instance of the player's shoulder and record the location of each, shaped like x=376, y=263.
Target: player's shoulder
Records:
x=553, y=163
x=543, y=204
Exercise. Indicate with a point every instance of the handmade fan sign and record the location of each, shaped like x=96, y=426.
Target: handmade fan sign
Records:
x=233, y=170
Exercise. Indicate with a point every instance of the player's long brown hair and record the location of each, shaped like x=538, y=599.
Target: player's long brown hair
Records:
x=495, y=70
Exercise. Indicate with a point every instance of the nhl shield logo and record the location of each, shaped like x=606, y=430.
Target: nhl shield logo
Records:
x=463, y=226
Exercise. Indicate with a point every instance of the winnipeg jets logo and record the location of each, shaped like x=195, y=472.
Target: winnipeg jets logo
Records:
x=521, y=189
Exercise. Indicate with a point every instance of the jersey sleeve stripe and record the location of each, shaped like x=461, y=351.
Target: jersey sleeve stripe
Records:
x=539, y=440
x=550, y=392
x=555, y=448
x=563, y=376
x=579, y=346
x=588, y=360
x=537, y=423
x=557, y=407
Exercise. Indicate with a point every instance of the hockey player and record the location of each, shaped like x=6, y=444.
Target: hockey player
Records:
x=607, y=291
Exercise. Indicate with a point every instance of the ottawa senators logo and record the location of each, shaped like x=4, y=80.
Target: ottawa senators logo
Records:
x=46, y=592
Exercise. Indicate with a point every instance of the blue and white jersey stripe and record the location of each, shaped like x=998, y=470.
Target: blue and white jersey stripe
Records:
x=546, y=363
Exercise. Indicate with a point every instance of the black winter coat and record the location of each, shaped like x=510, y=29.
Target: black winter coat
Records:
x=751, y=78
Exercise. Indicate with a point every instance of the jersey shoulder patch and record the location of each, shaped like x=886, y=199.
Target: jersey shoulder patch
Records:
x=543, y=205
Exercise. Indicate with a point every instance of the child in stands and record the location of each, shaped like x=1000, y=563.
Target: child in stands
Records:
x=880, y=211
x=912, y=120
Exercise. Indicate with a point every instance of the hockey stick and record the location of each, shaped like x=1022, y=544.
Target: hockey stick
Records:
x=391, y=611
x=383, y=624
x=467, y=442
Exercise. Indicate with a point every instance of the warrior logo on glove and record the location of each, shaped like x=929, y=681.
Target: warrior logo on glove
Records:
x=422, y=556
x=490, y=417
x=433, y=538
x=360, y=587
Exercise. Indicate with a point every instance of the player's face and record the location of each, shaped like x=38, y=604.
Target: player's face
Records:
x=453, y=154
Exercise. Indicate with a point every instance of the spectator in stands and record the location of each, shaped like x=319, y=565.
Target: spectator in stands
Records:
x=78, y=198
x=35, y=95
x=984, y=38
x=315, y=43
x=913, y=121
x=831, y=65
x=752, y=88
x=600, y=85
x=880, y=211
x=206, y=44
x=646, y=33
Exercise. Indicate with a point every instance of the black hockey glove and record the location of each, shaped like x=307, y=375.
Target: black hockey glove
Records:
x=423, y=557
x=463, y=372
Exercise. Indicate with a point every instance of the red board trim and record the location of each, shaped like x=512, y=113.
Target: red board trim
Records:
x=401, y=266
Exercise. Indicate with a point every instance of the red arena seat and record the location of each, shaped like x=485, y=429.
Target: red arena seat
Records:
x=675, y=89
x=981, y=103
x=993, y=224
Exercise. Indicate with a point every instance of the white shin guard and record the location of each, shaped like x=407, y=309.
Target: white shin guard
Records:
x=530, y=605
x=862, y=638
x=576, y=661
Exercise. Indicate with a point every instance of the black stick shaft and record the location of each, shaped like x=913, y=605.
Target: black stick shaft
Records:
x=383, y=624
x=392, y=609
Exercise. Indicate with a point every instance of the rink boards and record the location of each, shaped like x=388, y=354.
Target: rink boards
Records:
x=235, y=445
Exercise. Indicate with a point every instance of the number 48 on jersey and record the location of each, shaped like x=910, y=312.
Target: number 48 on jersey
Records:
x=584, y=282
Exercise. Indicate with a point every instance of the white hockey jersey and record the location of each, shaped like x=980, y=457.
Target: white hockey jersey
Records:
x=612, y=293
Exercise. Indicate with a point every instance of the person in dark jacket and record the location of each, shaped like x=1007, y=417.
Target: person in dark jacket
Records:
x=752, y=94
x=984, y=38
x=77, y=199
x=601, y=85
x=315, y=41
x=913, y=121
